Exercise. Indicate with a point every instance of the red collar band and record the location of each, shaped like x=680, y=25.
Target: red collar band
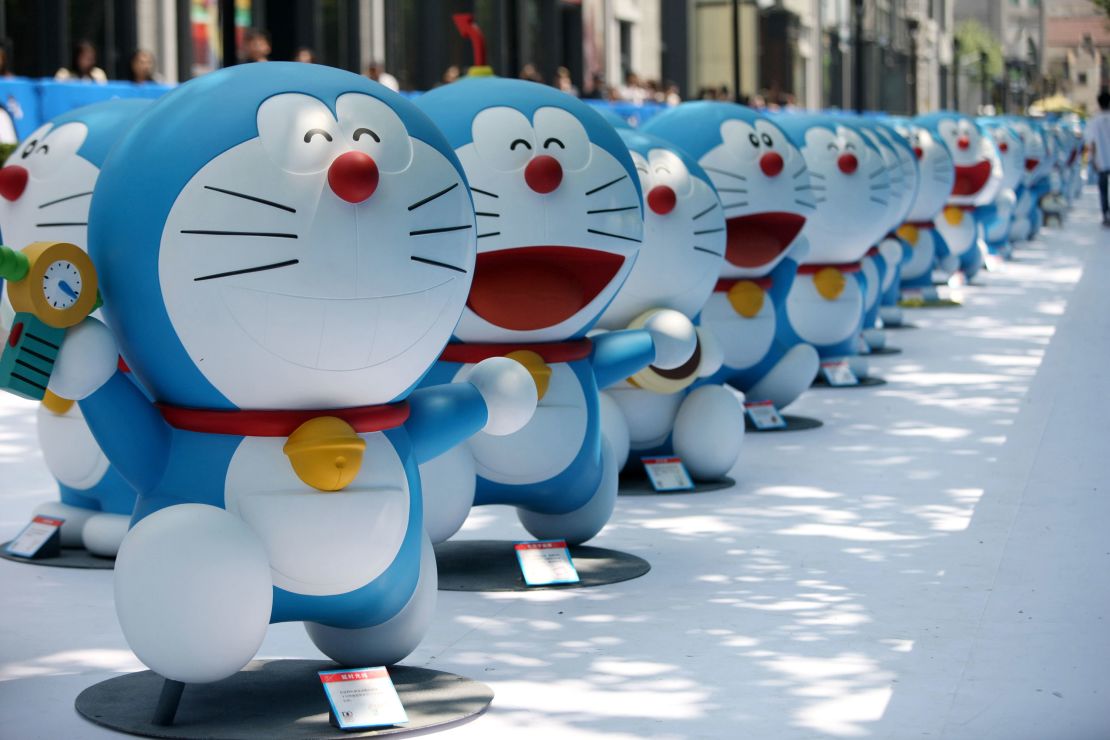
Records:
x=842, y=267
x=873, y=252
x=578, y=349
x=724, y=285
x=247, y=423
x=921, y=224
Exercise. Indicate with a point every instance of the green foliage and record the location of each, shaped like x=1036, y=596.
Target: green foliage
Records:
x=1103, y=5
x=5, y=150
x=974, y=40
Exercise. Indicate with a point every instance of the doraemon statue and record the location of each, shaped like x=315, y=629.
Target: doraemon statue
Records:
x=283, y=251
x=894, y=251
x=978, y=179
x=1034, y=183
x=937, y=174
x=46, y=187
x=766, y=195
x=996, y=218
x=852, y=184
x=559, y=227
x=678, y=266
x=1065, y=150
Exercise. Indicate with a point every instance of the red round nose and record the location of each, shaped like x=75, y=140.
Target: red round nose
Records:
x=918, y=152
x=543, y=174
x=353, y=176
x=662, y=199
x=847, y=163
x=771, y=163
x=963, y=142
x=13, y=181
x=1003, y=147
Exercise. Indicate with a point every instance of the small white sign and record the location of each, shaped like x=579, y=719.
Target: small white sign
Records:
x=545, y=563
x=913, y=295
x=34, y=536
x=363, y=698
x=667, y=474
x=839, y=373
x=764, y=415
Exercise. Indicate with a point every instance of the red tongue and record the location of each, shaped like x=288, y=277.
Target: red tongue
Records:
x=530, y=288
x=1031, y=164
x=971, y=179
x=757, y=239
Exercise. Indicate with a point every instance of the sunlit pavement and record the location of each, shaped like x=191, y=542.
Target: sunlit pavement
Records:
x=931, y=563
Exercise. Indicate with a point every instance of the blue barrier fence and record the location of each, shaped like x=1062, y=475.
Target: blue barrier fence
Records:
x=29, y=103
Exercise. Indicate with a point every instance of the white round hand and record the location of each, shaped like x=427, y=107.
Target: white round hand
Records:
x=509, y=392
x=674, y=336
x=87, y=360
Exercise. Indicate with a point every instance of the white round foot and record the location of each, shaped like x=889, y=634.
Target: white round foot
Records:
x=103, y=533
x=709, y=432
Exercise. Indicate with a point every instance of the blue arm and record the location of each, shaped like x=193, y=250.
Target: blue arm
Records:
x=442, y=416
x=133, y=435
x=782, y=279
x=620, y=354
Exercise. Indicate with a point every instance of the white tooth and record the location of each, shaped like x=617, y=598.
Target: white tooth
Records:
x=348, y=333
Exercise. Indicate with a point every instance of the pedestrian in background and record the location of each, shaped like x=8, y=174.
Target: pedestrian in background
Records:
x=305, y=55
x=141, y=67
x=1097, y=138
x=83, y=66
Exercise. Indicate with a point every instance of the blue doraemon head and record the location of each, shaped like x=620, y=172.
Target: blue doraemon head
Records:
x=900, y=193
x=978, y=170
x=282, y=236
x=684, y=234
x=46, y=184
x=758, y=171
x=908, y=163
x=852, y=185
x=558, y=206
x=1011, y=150
x=935, y=168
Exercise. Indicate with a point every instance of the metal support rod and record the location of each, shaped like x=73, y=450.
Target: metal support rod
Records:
x=168, y=702
x=736, y=50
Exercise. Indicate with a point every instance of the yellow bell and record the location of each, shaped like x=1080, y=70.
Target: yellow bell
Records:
x=326, y=453
x=56, y=404
x=909, y=233
x=746, y=298
x=953, y=215
x=830, y=283
x=536, y=367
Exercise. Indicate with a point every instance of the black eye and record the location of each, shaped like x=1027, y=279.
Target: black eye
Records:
x=849, y=147
x=27, y=150
x=754, y=140
x=512, y=147
x=360, y=131
x=553, y=140
x=767, y=140
x=316, y=132
x=662, y=169
x=44, y=149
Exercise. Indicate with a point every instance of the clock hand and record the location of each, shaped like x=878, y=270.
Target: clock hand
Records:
x=66, y=289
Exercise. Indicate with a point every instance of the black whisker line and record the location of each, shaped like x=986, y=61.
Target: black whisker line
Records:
x=434, y=263
x=708, y=231
x=820, y=200
x=252, y=198
x=63, y=223
x=599, y=188
x=266, y=234
x=245, y=270
x=809, y=187
x=877, y=173
x=735, y=205
x=709, y=251
x=702, y=213
x=487, y=214
x=433, y=196
x=63, y=200
x=489, y=233
x=484, y=192
x=615, y=236
x=879, y=201
x=613, y=210
x=731, y=190
x=439, y=230
x=804, y=203
x=880, y=187
x=817, y=174
x=726, y=173
x=800, y=172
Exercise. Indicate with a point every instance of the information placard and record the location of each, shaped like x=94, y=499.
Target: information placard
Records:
x=764, y=415
x=363, y=698
x=545, y=563
x=667, y=474
x=38, y=539
x=839, y=373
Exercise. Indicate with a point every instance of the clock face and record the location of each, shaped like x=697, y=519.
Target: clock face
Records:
x=61, y=284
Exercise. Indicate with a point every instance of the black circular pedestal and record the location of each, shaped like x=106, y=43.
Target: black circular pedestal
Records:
x=491, y=565
x=70, y=557
x=636, y=483
x=794, y=423
x=884, y=351
x=867, y=382
x=936, y=303
x=276, y=700
x=899, y=327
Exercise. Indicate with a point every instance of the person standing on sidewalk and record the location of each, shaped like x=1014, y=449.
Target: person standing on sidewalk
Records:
x=1097, y=138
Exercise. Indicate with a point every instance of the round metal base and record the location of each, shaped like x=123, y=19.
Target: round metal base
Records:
x=71, y=557
x=793, y=424
x=867, y=382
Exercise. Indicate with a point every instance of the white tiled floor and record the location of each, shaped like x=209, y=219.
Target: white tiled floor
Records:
x=932, y=563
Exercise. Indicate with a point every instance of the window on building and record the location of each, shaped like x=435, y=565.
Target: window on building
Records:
x=1081, y=78
x=625, y=48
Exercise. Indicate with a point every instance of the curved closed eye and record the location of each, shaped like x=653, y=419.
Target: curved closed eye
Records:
x=662, y=169
x=360, y=131
x=553, y=140
x=849, y=146
x=29, y=149
x=316, y=132
x=512, y=147
x=832, y=147
x=44, y=149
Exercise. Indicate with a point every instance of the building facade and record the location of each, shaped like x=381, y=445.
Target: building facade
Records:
x=1077, y=51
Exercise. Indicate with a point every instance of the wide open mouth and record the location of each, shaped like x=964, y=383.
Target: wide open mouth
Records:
x=528, y=288
x=1031, y=164
x=759, y=238
x=971, y=179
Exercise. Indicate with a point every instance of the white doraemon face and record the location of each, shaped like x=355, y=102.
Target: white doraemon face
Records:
x=854, y=188
x=936, y=172
x=321, y=264
x=975, y=160
x=765, y=192
x=901, y=187
x=907, y=161
x=559, y=226
x=684, y=242
x=46, y=188
x=1011, y=153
